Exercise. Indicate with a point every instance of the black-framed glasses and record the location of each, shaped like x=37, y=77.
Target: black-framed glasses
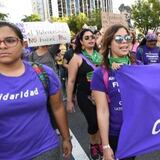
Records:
x=89, y=37
x=120, y=39
x=10, y=41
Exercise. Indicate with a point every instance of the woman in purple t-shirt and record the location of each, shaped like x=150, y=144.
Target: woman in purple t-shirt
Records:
x=115, y=51
x=26, y=130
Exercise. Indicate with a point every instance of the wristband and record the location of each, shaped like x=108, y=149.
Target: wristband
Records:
x=106, y=146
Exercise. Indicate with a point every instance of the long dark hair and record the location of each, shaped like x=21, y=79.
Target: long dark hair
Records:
x=106, y=43
x=13, y=27
x=79, y=38
x=143, y=42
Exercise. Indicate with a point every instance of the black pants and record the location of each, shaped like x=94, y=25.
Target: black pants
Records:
x=89, y=111
x=113, y=141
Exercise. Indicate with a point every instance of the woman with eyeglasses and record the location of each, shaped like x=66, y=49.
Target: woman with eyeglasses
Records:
x=105, y=89
x=80, y=69
x=25, y=129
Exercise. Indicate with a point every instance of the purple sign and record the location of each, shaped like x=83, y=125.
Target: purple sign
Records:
x=21, y=27
x=140, y=93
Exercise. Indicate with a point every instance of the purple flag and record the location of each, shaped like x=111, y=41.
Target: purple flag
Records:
x=140, y=93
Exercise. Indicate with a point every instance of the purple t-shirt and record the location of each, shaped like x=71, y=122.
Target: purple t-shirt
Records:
x=25, y=128
x=115, y=105
x=148, y=55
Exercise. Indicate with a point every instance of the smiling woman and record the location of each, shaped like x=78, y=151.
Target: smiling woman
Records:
x=80, y=71
x=115, y=50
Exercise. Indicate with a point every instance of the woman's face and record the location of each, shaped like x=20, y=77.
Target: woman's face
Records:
x=158, y=37
x=10, y=46
x=120, y=44
x=151, y=44
x=88, y=40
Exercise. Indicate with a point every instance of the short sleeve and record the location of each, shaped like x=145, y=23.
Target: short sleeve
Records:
x=97, y=82
x=54, y=82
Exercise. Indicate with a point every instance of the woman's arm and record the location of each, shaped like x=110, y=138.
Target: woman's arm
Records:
x=103, y=122
x=65, y=64
x=72, y=74
x=62, y=122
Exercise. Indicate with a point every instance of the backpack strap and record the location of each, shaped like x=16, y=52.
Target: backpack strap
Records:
x=105, y=79
x=31, y=56
x=105, y=76
x=42, y=75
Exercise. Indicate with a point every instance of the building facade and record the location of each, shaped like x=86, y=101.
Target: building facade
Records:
x=60, y=8
x=73, y=7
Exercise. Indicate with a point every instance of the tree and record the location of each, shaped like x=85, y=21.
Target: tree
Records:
x=31, y=18
x=95, y=19
x=145, y=14
x=59, y=19
x=76, y=22
x=3, y=16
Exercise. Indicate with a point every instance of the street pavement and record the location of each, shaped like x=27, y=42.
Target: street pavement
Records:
x=78, y=128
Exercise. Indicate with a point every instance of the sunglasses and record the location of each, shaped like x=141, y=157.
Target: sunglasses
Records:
x=120, y=39
x=89, y=37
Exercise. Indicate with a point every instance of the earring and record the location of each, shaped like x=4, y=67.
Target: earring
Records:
x=83, y=48
x=109, y=53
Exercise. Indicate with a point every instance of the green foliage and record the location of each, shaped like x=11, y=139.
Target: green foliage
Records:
x=59, y=19
x=31, y=18
x=3, y=16
x=145, y=14
x=95, y=19
x=76, y=22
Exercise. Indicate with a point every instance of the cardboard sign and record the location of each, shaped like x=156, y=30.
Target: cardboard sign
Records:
x=109, y=19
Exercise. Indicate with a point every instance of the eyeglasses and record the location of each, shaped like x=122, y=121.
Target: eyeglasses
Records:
x=119, y=39
x=89, y=37
x=10, y=41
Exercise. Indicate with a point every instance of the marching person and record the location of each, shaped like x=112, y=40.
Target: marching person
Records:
x=148, y=52
x=26, y=130
x=105, y=89
x=80, y=70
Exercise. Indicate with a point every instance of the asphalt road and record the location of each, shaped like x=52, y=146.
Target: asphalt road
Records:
x=78, y=127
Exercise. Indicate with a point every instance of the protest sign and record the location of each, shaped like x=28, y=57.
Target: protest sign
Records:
x=20, y=25
x=109, y=19
x=45, y=33
x=140, y=132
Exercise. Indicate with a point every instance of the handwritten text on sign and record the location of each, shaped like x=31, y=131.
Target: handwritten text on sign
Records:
x=109, y=19
x=45, y=33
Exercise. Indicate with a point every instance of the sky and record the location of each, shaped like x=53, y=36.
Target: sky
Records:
x=117, y=3
x=18, y=8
